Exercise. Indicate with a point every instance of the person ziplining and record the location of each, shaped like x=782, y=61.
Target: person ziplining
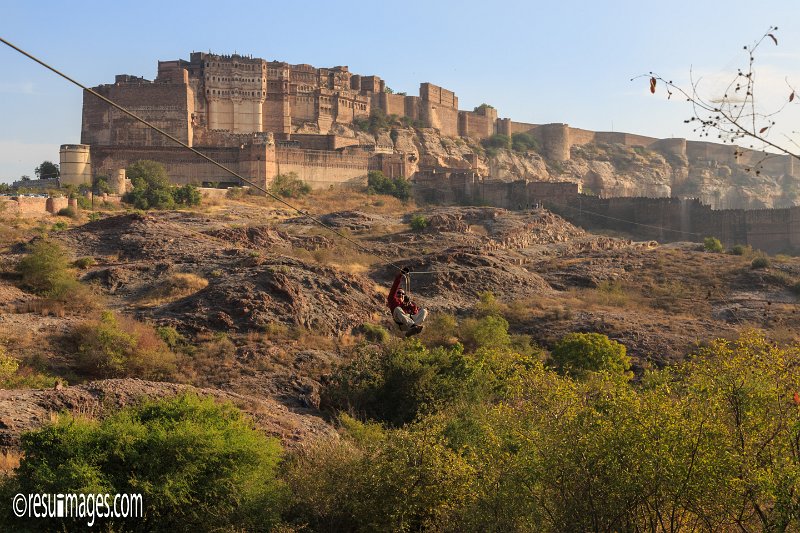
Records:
x=407, y=314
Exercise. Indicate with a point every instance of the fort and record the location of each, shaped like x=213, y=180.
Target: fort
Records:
x=262, y=118
x=661, y=219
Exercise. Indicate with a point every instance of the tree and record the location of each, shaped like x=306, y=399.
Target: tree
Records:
x=736, y=115
x=481, y=108
x=46, y=270
x=579, y=353
x=152, y=189
x=47, y=170
x=100, y=185
x=379, y=183
x=712, y=244
x=289, y=186
x=199, y=465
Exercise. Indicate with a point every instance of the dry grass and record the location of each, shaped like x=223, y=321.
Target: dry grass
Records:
x=609, y=293
x=339, y=199
x=9, y=461
x=173, y=287
x=343, y=258
x=212, y=363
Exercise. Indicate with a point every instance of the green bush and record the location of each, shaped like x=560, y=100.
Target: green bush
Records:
x=115, y=346
x=419, y=223
x=762, y=261
x=187, y=195
x=60, y=226
x=67, y=212
x=489, y=332
x=199, y=465
x=171, y=337
x=523, y=142
x=579, y=353
x=741, y=249
x=152, y=189
x=497, y=141
x=712, y=244
x=375, y=333
x=376, y=480
x=84, y=262
x=84, y=202
x=378, y=183
x=560, y=454
x=396, y=384
x=289, y=186
x=46, y=270
x=12, y=376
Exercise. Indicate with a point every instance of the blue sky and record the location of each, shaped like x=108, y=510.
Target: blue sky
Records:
x=537, y=62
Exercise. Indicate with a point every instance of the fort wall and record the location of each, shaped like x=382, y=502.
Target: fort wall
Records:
x=320, y=168
x=477, y=124
x=165, y=105
x=661, y=219
x=30, y=206
x=182, y=166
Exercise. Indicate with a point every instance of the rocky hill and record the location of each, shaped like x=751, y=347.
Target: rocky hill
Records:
x=264, y=305
x=605, y=169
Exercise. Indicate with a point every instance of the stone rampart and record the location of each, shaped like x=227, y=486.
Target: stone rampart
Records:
x=165, y=105
x=31, y=206
x=661, y=219
x=182, y=166
x=319, y=168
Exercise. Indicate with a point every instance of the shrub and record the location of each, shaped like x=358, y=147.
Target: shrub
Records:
x=84, y=262
x=187, y=195
x=118, y=346
x=378, y=183
x=741, y=249
x=488, y=305
x=199, y=465
x=152, y=189
x=440, y=330
x=235, y=193
x=67, y=212
x=84, y=203
x=396, y=384
x=375, y=333
x=376, y=480
x=712, y=244
x=46, y=270
x=289, y=186
x=171, y=337
x=762, y=261
x=488, y=332
x=523, y=142
x=12, y=376
x=579, y=353
x=419, y=223
x=60, y=226
x=497, y=141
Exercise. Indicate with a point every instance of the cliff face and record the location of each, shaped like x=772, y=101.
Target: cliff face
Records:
x=609, y=170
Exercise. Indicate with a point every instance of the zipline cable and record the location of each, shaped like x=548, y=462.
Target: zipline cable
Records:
x=198, y=153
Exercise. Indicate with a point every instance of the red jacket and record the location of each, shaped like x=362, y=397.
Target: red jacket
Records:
x=393, y=301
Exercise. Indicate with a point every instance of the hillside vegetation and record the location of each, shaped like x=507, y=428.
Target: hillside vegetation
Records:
x=235, y=363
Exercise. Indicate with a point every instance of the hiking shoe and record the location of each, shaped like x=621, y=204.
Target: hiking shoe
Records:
x=413, y=331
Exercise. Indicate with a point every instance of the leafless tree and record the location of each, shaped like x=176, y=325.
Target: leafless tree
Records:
x=737, y=117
